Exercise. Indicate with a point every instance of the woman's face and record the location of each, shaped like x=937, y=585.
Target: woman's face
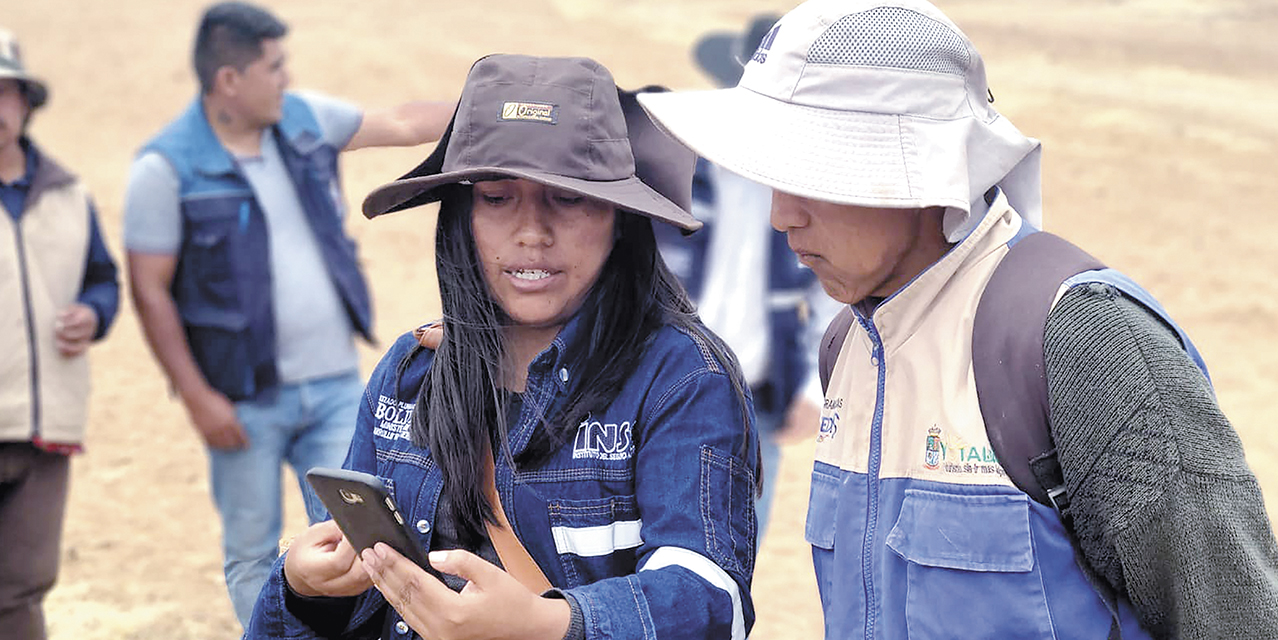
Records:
x=541, y=248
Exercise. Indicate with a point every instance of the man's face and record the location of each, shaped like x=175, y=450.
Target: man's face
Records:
x=13, y=112
x=258, y=91
x=857, y=252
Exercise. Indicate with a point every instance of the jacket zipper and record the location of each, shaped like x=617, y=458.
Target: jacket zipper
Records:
x=31, y=332
x=875, y=464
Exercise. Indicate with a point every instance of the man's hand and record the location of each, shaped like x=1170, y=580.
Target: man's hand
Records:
x=492, y=605
x=214, y=417
x=74, y=328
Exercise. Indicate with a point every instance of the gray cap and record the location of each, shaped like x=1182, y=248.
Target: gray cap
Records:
x=722, y=55
x=11, y=67
x=555, y=121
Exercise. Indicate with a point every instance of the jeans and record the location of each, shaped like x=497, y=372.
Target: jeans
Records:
x=308, y=424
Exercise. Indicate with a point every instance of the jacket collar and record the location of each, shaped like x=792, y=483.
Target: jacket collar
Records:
x=553, y=359
x=48, y=173
x=901, y=314
x=207, y=153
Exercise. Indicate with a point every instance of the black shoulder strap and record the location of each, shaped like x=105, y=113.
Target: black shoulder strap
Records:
x=831, y=342
x=1011, y=377
x=1007, y=354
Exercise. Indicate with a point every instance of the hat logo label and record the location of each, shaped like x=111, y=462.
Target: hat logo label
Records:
x=761, y=54
x=534, y=111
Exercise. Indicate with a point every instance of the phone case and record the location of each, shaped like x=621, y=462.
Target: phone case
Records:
x=365, y=512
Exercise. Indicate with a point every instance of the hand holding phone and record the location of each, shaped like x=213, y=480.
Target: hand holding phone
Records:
x=365, y=512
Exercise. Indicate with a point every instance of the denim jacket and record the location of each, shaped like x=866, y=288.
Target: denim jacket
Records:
x=222, y=283
x=645, y=517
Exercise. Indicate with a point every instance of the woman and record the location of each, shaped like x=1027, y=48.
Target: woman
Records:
x=572, y=376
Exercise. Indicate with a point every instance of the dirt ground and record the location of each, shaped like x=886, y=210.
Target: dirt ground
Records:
x=1161, y=143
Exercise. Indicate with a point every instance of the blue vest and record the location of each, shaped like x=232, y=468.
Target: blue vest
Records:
x=222, y=284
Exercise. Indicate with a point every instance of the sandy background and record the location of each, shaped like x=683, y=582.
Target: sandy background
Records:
x=1161, y=136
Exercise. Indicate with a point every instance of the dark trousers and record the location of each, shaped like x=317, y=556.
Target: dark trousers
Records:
x=33, y=497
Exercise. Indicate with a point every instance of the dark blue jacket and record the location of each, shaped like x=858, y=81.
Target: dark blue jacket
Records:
x=222, y=285
x=645, y=517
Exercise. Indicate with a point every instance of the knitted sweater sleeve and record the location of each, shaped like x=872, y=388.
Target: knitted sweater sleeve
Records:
x=1163, y=503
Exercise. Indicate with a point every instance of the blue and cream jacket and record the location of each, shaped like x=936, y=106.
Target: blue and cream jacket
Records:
x=222, y=283
x=645, y=517
x=916, y=530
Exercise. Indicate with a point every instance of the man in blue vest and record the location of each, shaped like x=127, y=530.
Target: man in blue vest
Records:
x=58, y=294
x=247, y=287
x=899, y=184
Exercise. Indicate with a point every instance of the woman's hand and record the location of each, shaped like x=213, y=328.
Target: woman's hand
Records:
x=492, y=605
x=320, y=562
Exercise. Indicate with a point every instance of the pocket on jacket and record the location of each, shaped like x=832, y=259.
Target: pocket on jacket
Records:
x=974, y=554
x=208, y=255
x=217, y=338
x=727, y=511
x=819, y=531
x=595, y=538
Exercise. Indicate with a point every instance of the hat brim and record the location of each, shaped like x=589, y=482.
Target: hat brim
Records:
x=37, y=91
x=630, y=194
x=846, y=157
x=854, y=157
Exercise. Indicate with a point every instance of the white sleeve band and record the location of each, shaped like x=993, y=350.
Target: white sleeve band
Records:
x=708, y=571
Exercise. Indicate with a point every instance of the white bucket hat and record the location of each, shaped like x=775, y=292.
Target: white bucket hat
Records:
x=871, y=103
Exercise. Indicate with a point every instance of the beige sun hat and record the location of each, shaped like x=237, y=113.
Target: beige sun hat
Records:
x=11, y=67
x=866, y=102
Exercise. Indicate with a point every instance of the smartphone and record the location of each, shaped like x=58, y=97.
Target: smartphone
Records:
x=365, y=512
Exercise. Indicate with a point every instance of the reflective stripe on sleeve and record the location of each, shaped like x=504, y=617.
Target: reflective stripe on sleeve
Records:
x=708, y=571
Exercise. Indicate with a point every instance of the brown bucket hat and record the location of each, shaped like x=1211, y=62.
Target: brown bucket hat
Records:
x=558, y=122
x=11, y=67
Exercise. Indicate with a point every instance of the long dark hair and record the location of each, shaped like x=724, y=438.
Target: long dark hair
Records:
x=461, y=409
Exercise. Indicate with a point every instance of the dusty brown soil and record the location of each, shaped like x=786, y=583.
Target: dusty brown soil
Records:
x=1161, y=136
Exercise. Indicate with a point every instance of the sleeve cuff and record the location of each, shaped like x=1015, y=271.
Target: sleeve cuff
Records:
x=327, y=616
x=577, y=625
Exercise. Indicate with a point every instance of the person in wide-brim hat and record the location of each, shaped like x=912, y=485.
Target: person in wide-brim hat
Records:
x=570, y=359
x=11, y=66
x=1111, y=496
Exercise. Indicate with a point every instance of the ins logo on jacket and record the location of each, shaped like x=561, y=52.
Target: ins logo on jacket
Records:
x=603, y=440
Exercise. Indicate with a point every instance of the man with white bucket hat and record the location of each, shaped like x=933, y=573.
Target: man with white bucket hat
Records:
x=903, y=189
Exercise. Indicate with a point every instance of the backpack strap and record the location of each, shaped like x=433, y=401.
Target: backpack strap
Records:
x=835, y=333
x=1011, y=377
x=1008, y=363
